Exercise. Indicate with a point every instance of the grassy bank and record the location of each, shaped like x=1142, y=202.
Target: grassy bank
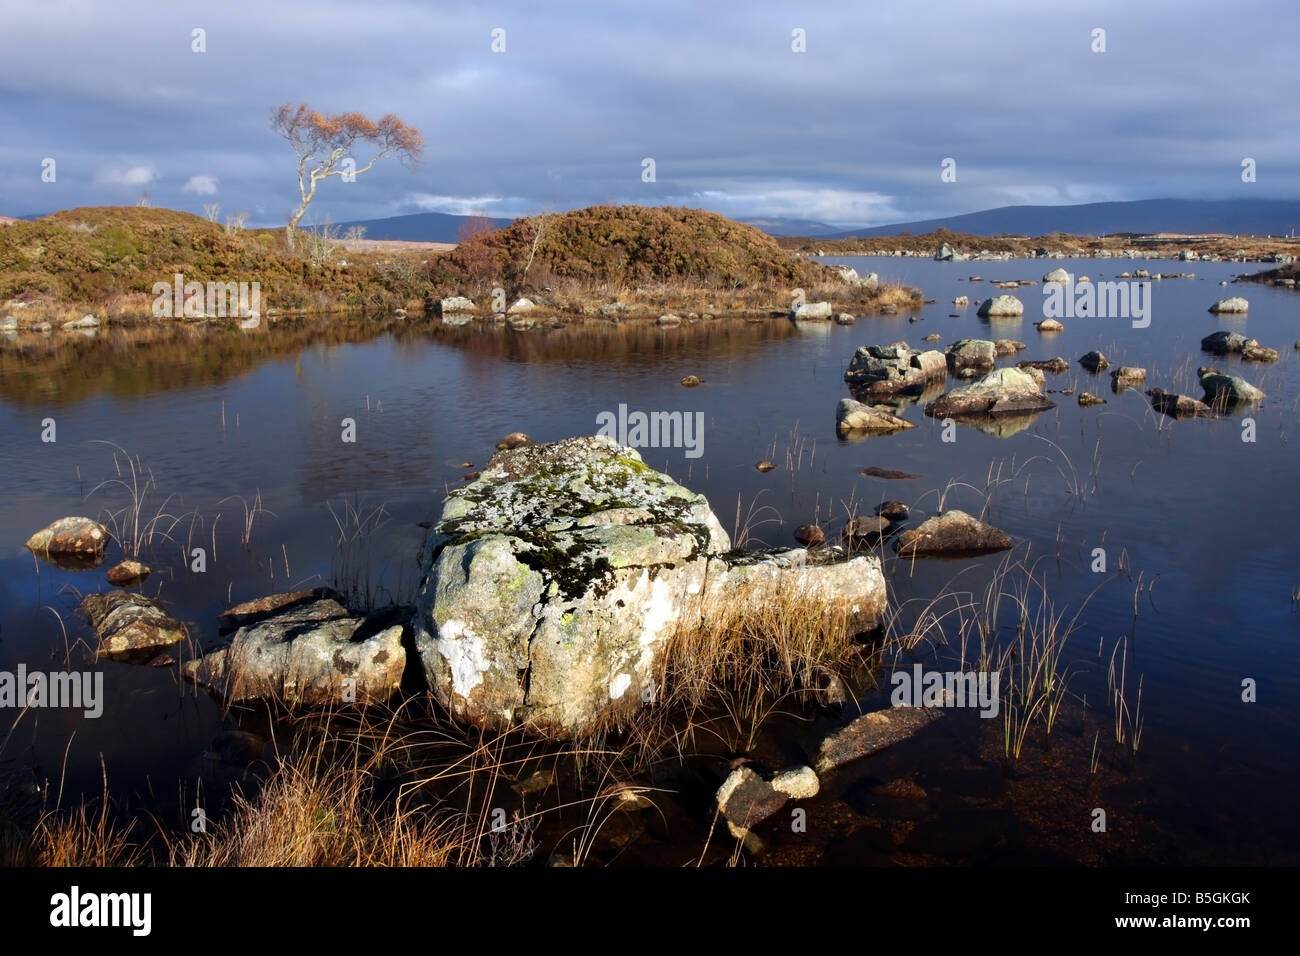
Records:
x=106, y=261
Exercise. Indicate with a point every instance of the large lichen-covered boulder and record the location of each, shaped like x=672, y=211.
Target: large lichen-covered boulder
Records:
x=554, y=582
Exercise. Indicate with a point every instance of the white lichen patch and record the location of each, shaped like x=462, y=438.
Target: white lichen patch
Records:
x=619, y=685
x=463, y=650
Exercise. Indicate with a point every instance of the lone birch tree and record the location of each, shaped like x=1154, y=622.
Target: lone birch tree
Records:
x=323, y=144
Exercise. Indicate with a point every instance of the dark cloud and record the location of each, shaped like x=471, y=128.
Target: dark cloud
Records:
x=850, y=132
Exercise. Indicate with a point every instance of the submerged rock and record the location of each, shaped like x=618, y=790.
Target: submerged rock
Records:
x=1087, y=398
x=953, y=533
x=872, y=733
x=70, y=543
x=1008, y=347
x=745, y=800
x=1001, y=392
x=309, y=652
x=130, y=625
x=553, y=584
x=853, y=416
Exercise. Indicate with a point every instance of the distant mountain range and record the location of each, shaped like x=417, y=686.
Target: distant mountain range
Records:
x=1255, y=217
x=420, y=227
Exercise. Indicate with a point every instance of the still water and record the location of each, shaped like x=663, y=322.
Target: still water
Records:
x=1197, y=528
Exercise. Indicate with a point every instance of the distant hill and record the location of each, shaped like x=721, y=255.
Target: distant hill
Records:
x=632, y=245
x=793, y=227
x=1252, y=217
x=420, y=227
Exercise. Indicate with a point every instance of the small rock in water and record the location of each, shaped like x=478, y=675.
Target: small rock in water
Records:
x=70, y=542
x=1224, y=342
x=1178, y=406
x=872, y=471
x=1234, y=305
x=514, y=440
x=853, y=416
x=1094, y=361
x=1001, y=305
x=1227, y=390
x=872, y=733
x=745, y=800
x=467, y=464
x=935, y=337
x=1049, y=325
x=765, y=465
x=893, y=510
x=953, y=533
x=690, y=381
x=1258, y=353
x=128, y=624
x=798, y=783
x=1005, y=391
x=809, y=535
x=865, y=527
x=1087, y=398
x=1056, y=365
x=470, y=476
x=127, y=574
x=1127, y=376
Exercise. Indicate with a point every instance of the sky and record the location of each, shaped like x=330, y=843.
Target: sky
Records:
x=851, y=131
